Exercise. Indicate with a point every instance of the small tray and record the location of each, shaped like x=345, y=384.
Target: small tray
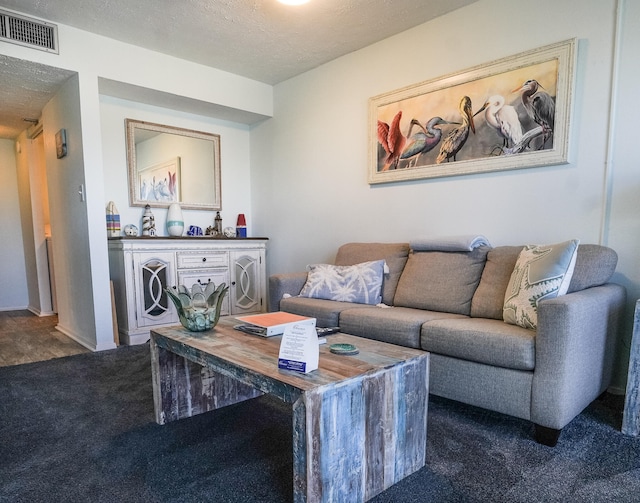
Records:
x=344, y=349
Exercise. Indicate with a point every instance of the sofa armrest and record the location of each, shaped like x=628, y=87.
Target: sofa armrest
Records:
x=575, y=346
x=279, y=284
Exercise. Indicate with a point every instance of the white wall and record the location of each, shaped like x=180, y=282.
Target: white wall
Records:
x=234, y=162
x=623, y=220
x=69, y=218
x=13, y=291
x=109, y=67
x=34, y=209
x=311, y=159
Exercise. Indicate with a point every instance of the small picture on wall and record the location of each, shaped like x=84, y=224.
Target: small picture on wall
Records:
x=61, y=143
x=160, y=182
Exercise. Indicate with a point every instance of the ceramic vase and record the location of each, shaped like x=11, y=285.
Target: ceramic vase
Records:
x=175, y=221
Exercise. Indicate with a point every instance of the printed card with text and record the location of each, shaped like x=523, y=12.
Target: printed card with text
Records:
x=299, y=349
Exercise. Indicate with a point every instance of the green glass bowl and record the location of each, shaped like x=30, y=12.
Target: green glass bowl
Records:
x=199, y=308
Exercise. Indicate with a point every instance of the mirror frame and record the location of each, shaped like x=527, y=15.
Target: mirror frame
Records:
x=134, y=190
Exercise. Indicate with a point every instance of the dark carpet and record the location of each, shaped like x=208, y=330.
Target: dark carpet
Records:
x=81, y=429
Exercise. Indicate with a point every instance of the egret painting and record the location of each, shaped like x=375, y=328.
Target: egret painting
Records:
x=509, y=114
x=160, y=182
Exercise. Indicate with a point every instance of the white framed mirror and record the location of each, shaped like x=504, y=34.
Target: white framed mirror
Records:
x=170, y=164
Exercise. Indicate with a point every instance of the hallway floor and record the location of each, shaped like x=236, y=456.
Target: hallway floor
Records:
x=27, y=338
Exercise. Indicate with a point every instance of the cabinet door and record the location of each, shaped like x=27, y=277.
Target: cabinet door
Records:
x=204, y=276
x=153, y=273
x=247, y=279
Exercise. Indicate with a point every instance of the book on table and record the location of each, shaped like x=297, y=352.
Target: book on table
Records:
x=270, y=324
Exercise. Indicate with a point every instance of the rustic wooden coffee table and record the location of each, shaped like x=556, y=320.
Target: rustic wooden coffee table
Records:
x=359, y=422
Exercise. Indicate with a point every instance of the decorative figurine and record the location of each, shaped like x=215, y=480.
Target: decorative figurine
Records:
x=229, y=232
x=148, y=222
x=130, y=230
x=113, y=220
x=210, y=231
x=194, y=230
x=218, y=224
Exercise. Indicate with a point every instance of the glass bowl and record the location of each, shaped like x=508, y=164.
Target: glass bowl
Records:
x=198, y=309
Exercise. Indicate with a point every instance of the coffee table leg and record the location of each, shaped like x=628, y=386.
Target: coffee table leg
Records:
x=183, y=388
x=354, y=439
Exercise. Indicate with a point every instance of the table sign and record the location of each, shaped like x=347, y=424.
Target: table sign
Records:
x=299, y=349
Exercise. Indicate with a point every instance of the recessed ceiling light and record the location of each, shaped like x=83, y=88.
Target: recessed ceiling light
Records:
x=293, y=2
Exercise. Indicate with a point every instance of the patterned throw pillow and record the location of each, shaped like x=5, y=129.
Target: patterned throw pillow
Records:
x=541, y=272
x=359, y=283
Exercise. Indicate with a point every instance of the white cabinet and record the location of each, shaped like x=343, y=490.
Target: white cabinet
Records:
x=142, y=267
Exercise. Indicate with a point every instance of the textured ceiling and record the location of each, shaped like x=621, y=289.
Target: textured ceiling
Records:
x=259, y=39
x=25, y=88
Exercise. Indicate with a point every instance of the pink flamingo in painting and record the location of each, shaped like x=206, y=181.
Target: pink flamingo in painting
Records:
x=392, y=140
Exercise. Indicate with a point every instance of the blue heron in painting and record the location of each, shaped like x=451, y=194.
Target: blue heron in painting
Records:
x=424, y=140
x=540, y=106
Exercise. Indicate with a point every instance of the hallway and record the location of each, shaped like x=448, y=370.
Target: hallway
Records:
x=27, y=338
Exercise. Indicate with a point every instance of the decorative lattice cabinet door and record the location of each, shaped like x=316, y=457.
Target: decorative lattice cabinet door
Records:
x=247, y=273
x=153, y=273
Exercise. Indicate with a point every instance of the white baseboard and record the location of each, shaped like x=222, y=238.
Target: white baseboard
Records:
x=134, y=339
x=14, y=308
x=90, y=345
x=39, y=312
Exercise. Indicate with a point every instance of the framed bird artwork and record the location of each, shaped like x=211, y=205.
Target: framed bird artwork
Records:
x=508, y=114
x=160, y=183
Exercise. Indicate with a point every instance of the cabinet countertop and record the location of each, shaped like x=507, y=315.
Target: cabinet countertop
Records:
x=194, y=238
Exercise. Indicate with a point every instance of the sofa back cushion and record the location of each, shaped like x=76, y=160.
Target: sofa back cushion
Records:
x=595, y=265
x=488, y=300
x=394, y=254
x=441, y=281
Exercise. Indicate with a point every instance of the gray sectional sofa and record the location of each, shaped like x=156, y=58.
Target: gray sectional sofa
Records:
x=452, y=304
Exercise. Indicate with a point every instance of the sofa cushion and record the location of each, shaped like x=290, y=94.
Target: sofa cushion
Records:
x=595, y=265
x=359, y=283
x=441, y=281
x=396, y=325
x=326, y=312
x=541, y=272
x=491, y=342
x=488, y=299
x=394, y=254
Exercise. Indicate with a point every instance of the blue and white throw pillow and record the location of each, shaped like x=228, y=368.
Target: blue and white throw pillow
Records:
x=359, y=283
x=541, y=272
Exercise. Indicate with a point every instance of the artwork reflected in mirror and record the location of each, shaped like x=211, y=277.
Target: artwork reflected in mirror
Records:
x=169, y=164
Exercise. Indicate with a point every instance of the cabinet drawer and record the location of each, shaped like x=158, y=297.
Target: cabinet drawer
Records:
x=208, y=259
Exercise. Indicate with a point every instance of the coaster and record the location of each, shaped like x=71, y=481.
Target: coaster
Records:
x=344, y=349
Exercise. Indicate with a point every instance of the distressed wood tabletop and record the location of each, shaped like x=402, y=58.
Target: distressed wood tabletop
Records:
x=259, y=355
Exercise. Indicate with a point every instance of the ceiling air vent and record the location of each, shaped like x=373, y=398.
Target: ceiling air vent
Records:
x=29, y=32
